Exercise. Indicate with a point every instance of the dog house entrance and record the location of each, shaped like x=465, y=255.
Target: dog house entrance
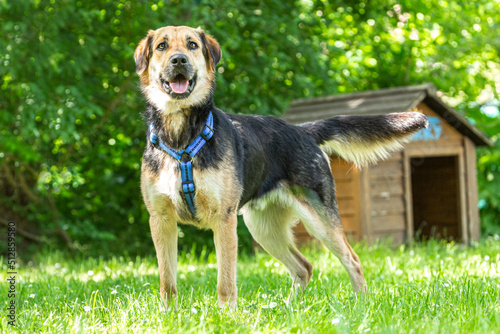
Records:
x=436, y=197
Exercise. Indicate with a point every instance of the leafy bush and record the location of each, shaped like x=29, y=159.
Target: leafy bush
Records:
x=71, y=131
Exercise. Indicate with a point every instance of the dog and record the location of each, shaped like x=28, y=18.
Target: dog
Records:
x=273, y=173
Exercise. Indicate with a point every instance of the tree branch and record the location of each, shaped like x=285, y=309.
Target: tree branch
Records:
x=22, y=232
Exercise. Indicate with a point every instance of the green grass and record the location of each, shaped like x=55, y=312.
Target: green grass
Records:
x=422, y=288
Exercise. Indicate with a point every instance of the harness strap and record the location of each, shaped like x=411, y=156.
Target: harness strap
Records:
x=186, y=167
x=188, y=185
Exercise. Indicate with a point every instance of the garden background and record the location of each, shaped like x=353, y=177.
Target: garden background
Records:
x=71, y=132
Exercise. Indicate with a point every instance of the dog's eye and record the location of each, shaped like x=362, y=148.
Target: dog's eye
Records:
x=192, y=45
x=161, y=46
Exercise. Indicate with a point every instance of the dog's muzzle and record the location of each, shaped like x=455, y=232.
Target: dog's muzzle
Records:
x=180, y=78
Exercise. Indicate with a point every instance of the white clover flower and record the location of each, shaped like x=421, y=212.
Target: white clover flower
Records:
x=87, y=308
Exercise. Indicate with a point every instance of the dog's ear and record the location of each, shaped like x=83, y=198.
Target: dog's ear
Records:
x=212, y=50
x=143, y=52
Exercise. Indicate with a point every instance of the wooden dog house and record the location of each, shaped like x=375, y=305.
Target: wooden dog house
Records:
x=429, y=189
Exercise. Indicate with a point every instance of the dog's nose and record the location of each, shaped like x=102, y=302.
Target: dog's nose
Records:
x=178, y=59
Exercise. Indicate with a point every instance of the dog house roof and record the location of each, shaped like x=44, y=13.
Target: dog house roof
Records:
x=382, y=101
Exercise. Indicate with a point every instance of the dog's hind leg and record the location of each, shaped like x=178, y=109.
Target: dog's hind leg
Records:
x=326, y=226
x=164, y=233
x=271, y=227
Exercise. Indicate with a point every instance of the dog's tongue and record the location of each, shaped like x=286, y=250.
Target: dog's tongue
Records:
x=179, y=87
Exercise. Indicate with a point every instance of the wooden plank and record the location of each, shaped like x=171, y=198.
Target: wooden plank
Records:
x=343, y=167
x=461, y=198
x=352, y=100
x=409, y=92
x=343, y=197
x=408, y=199
x=393, y=222
x=350, y=224
x=396, y=156
x=386, y=188
x=365, y=203
x=347, y=206
x=342, y=179
x=432, y=150
x=345, y=189
x=384, y=207
x=474, y=222
x=387, y=170
x=347, y=192
x=321, y=111
x=432, y=144
x=356, y=220
x=343, y=173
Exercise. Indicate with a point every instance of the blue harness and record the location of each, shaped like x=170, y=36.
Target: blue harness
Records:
x=186, y=167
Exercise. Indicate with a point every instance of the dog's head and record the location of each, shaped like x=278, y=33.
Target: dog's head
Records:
x=177, y=66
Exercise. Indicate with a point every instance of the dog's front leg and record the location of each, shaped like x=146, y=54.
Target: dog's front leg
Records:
x=164, y=233
x=226, y=247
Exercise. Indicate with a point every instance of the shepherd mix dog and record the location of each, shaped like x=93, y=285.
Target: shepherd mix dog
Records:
x=273, y=173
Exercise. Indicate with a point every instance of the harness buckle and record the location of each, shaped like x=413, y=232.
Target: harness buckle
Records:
x=185, y=157
x=207, y=132
x=188, y=187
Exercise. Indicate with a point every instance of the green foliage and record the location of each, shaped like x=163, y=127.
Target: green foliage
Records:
x=71, y=130
x=433, y=287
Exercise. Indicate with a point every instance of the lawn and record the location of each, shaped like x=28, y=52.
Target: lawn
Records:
x=422, y=288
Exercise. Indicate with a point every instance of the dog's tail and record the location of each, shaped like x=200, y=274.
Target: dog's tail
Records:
x=365, y=139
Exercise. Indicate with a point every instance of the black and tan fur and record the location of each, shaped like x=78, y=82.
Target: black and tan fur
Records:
x=272, y=172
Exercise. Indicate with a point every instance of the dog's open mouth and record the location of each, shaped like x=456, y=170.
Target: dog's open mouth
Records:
x=179, y=87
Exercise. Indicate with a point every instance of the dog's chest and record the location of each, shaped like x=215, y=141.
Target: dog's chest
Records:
x=169, y=182
x=216, y=192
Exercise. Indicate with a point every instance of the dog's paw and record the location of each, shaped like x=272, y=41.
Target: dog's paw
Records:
x=230, y=304
x=169, y=305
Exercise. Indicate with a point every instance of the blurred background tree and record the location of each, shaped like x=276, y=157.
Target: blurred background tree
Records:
x=71, y=129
